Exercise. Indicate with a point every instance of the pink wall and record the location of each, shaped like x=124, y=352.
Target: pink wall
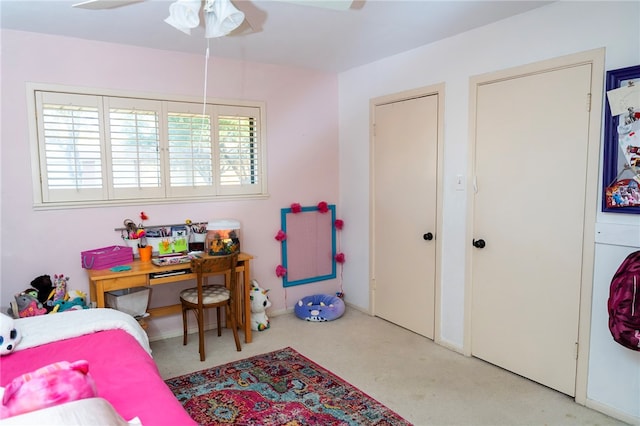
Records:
x=302, y=149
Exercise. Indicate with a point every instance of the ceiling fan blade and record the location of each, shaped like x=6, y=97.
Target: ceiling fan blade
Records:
x=325, y=4
x=254, y=18
x=104, y=4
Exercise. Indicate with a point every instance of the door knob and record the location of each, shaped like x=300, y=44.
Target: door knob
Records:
x=428, y=236
x=479, y=243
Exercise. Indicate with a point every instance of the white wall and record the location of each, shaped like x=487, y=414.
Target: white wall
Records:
x=614, y=376
x=558, y=29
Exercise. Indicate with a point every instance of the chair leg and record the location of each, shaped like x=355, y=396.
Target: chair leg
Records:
x=218, y=318
x=232, y=320
x=200, y=316
x=184, y=326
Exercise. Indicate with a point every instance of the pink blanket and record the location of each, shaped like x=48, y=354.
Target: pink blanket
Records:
x=124, y=372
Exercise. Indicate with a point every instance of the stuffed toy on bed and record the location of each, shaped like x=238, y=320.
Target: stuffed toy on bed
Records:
x=75, y=300
x=259, y=304
x=45, y=387
x=60, y=282
x=26, y=304
x=9, y=335
x=46, y=291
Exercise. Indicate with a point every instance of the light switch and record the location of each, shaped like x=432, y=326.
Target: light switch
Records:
x=460, y=183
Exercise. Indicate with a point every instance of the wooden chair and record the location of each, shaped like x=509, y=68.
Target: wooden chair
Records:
x=204, y=297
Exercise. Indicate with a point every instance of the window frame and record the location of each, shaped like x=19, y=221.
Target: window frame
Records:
x=215, y=107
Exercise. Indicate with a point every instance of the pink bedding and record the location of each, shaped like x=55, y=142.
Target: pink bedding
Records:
x=124, y=373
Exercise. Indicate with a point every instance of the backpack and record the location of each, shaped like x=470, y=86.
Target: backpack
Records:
x=624, y=303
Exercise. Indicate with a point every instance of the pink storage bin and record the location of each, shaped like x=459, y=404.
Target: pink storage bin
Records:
x=106, y=257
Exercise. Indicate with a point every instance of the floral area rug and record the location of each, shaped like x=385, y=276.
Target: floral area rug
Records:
x=277, y=388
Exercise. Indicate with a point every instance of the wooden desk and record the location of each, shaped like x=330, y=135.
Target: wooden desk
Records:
x=101, y=281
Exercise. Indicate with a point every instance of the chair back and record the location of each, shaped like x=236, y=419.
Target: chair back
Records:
x=215, y=265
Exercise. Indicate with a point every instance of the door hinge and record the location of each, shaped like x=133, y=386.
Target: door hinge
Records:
x=577, y=346
x=588, y=102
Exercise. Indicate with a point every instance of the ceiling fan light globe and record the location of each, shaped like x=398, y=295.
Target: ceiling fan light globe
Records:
x=221, y=17
x=183, y=15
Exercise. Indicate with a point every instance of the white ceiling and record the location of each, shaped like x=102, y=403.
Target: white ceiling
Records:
x=278, y=32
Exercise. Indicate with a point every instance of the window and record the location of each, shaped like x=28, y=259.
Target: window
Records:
x=104, y=148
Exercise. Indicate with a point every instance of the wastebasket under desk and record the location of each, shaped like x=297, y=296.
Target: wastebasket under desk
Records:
x=101, y=281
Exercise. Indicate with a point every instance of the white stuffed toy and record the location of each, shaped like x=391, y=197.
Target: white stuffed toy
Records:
x=9, y=335
x=259, y=304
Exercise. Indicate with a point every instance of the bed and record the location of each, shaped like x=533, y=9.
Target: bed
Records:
x=128, y=383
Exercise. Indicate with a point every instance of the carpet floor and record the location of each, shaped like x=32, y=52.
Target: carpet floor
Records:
x=277, y=388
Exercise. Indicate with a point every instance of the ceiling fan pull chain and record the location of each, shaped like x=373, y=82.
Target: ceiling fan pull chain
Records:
x=204, y=94
x=206, y=77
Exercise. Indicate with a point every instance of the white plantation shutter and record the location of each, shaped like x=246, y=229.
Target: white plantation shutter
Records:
x=134, y=147
x=95, y=149
x=190, y=150
x=239, y=150
x=71, y=155
x=223, y=160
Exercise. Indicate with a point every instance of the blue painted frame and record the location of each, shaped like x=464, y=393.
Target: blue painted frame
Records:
x=285, y=263
x=615, y=79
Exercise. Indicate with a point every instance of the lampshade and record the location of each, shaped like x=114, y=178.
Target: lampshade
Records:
x=221, y=17
x=183, y=15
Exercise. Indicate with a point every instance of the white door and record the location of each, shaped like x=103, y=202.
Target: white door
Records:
x=405, y=158
x=531, y=149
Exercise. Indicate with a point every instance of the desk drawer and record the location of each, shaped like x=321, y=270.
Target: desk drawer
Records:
x=172, y=279
x=125, y=282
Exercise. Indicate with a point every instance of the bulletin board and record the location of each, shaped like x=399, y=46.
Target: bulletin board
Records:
x=621, y=164
x=308, y=253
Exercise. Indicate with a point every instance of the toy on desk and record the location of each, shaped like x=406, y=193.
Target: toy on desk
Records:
x=172, y=259
x=120, y=268
x=259, y=304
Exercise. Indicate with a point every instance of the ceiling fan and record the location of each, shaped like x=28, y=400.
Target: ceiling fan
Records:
x=220, y=16
x=112, y=4
x=104, y=4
